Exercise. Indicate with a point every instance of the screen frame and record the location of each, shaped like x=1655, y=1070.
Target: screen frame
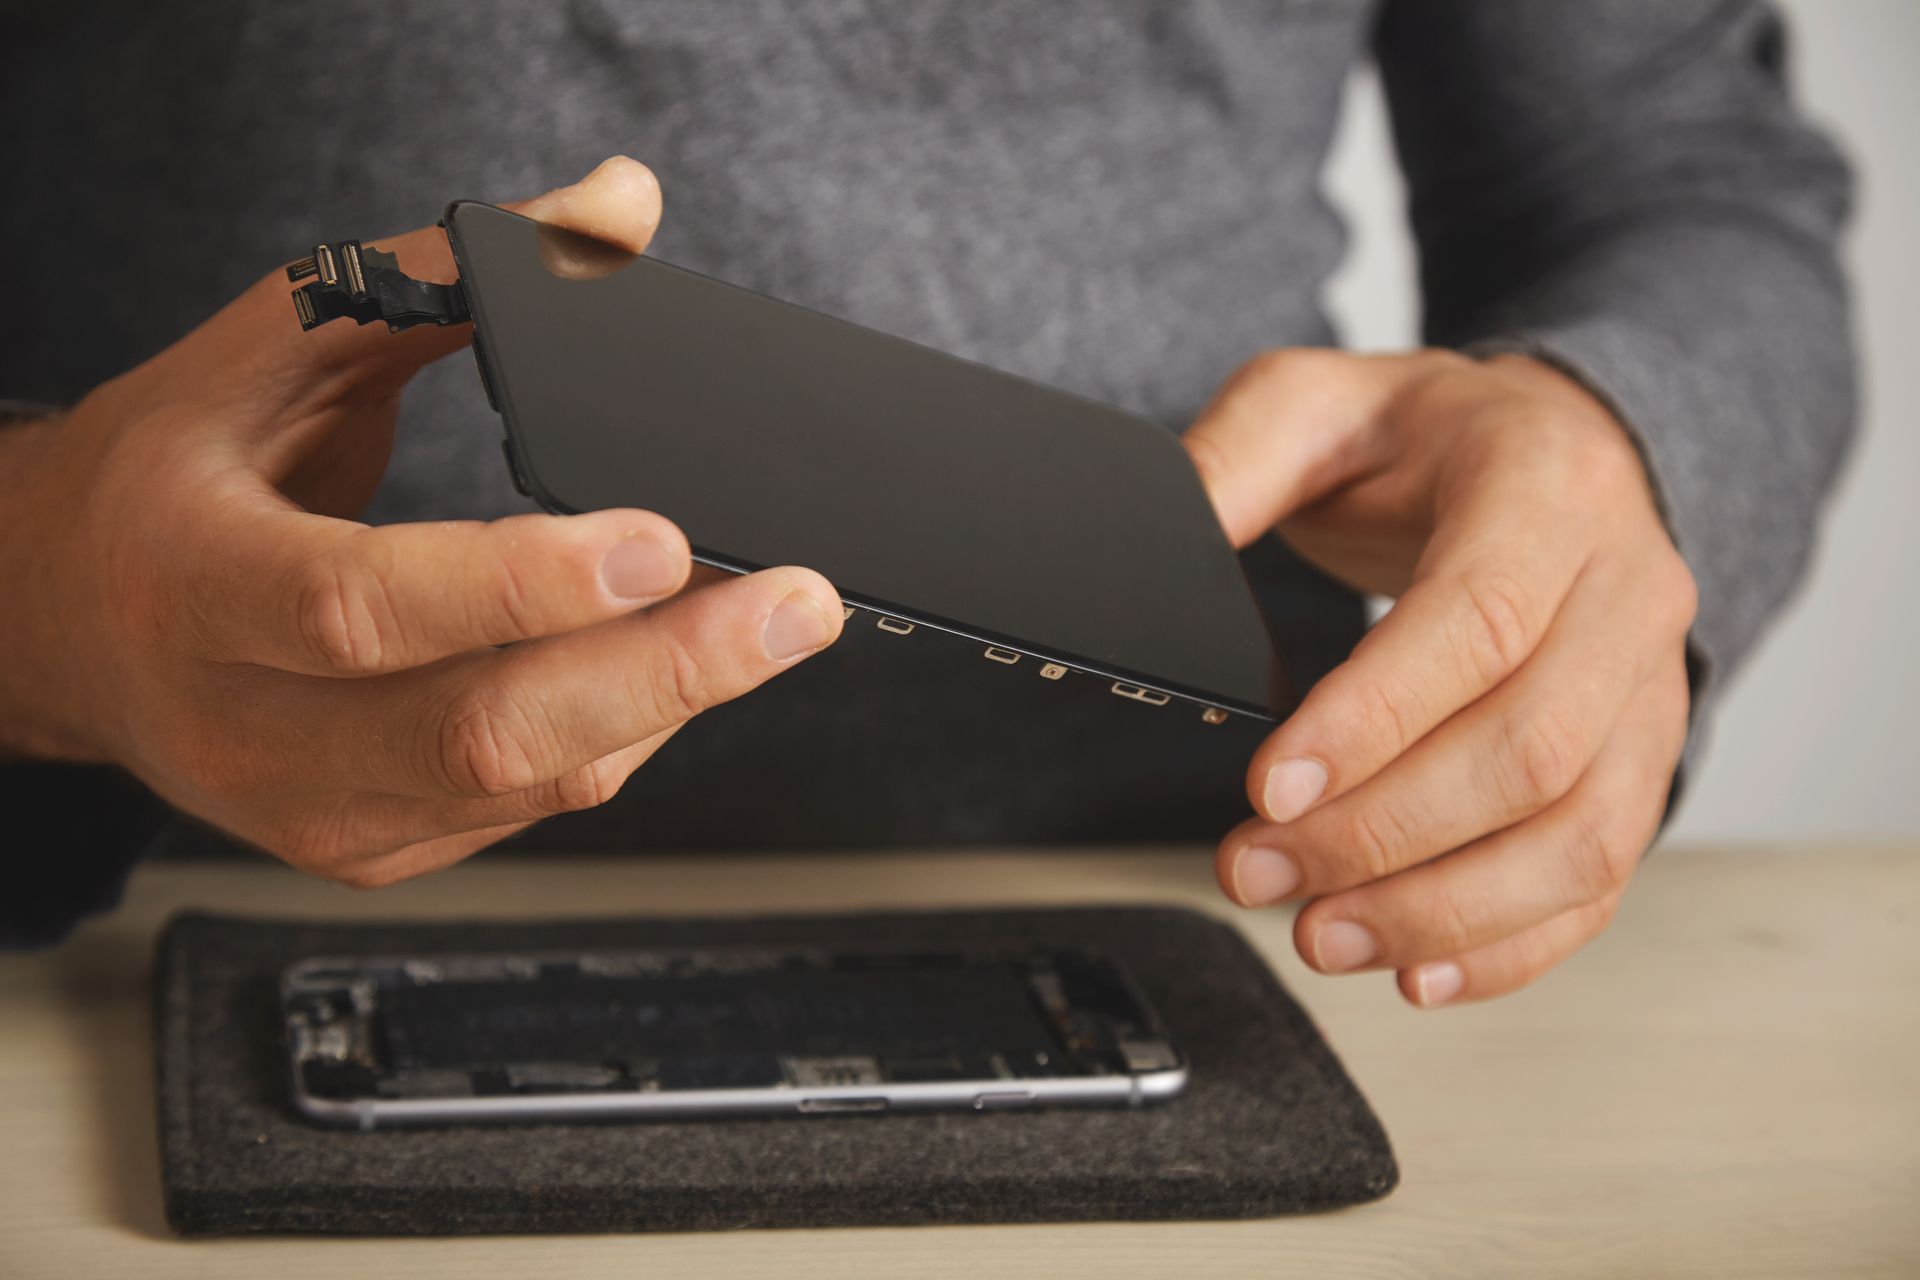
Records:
x=893, y=615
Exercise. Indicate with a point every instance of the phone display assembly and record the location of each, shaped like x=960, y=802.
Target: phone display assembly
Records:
x=463, y=1038
x=1044, y=528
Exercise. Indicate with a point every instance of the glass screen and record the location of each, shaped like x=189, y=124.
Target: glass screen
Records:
x=925, y=486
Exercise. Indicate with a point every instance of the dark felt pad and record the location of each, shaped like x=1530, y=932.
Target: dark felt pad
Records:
x=1269, y=1124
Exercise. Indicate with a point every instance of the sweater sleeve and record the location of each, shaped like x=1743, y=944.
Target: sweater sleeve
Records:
x=1625, y=190
x=72, y=834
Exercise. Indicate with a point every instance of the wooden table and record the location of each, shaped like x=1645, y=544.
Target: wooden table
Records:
x=1728, y=1083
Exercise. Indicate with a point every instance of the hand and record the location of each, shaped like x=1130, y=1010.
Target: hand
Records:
x=188, y=600
x=1464, y=799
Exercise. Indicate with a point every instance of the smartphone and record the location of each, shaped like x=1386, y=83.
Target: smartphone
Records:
x=1051, y=534
x=737, y=1031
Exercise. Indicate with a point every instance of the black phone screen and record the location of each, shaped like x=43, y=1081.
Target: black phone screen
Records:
x=923, y=486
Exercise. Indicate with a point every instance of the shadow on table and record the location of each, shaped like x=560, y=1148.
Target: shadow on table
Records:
x=105, y=985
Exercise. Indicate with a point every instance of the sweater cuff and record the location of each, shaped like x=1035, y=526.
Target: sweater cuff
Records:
x=75, y=832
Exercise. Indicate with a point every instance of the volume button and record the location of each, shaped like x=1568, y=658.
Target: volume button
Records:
x=486, y=379
x=513, y=468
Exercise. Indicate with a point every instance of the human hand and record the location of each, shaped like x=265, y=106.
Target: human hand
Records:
x=1464, y=799
x=190, y=600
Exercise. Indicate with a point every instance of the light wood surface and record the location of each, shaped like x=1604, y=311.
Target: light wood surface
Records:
x=1727, y=1083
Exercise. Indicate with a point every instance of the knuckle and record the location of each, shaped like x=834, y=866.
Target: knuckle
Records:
x=309, y=848
x=1604, y=464
x=1621, y=846
x=587, y=787
x=1378, y=841
x=674, y=684
x=1390, y=713
x=1543, y=757
x=1595, y=864
x=345, y=617
x=319, y=845
x=511, y=597
x=481, y=750
x=1497, y=627
x=1681, y=592
x=1453, y=923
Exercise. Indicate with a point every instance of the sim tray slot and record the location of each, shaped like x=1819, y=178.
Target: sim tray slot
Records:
x=895, y=626
x=1005, y=657
x=1152, y=697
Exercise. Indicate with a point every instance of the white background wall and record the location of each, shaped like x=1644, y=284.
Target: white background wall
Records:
x=1818, y=736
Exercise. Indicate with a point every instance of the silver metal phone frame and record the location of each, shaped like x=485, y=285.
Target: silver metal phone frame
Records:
x=782, y=1099
x=943, y=1095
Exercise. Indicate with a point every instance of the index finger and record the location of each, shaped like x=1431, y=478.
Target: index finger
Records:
x=1494, y=575
x=311, y=594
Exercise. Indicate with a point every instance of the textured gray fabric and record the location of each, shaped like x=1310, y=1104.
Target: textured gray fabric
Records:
x=1631, y=196
x=1268, y=1124
x=1121, y=199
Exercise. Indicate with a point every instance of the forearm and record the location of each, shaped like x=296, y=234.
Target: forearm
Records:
x=34, y=642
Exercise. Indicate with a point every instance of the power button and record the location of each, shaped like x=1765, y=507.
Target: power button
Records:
x=486, y=379
x=513, y=468
x=1003, y=1100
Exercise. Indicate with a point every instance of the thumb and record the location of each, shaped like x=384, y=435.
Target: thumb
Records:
x=618, y=203
x=1288, y=428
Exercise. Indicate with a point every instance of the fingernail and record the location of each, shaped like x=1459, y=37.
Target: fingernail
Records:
x=796, y=626
x=1262, y=877
x=1435, y=984
x=638, y=568
x=1341, y=945
x=1292, y=787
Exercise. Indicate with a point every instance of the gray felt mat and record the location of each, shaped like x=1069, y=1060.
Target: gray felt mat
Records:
x=1270, y=1123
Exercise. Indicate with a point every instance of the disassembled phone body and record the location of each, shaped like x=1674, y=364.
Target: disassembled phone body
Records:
x=639, y=1034
x=1049, y=531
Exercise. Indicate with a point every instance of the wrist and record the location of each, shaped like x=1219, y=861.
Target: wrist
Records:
x=1546, y=380
x=1549, y=383
x=35, y=640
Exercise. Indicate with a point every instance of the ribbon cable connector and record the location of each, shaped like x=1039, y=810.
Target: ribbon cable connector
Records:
x=366, y=285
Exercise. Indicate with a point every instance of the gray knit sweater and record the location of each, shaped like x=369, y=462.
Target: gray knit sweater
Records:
x=1116, y=196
